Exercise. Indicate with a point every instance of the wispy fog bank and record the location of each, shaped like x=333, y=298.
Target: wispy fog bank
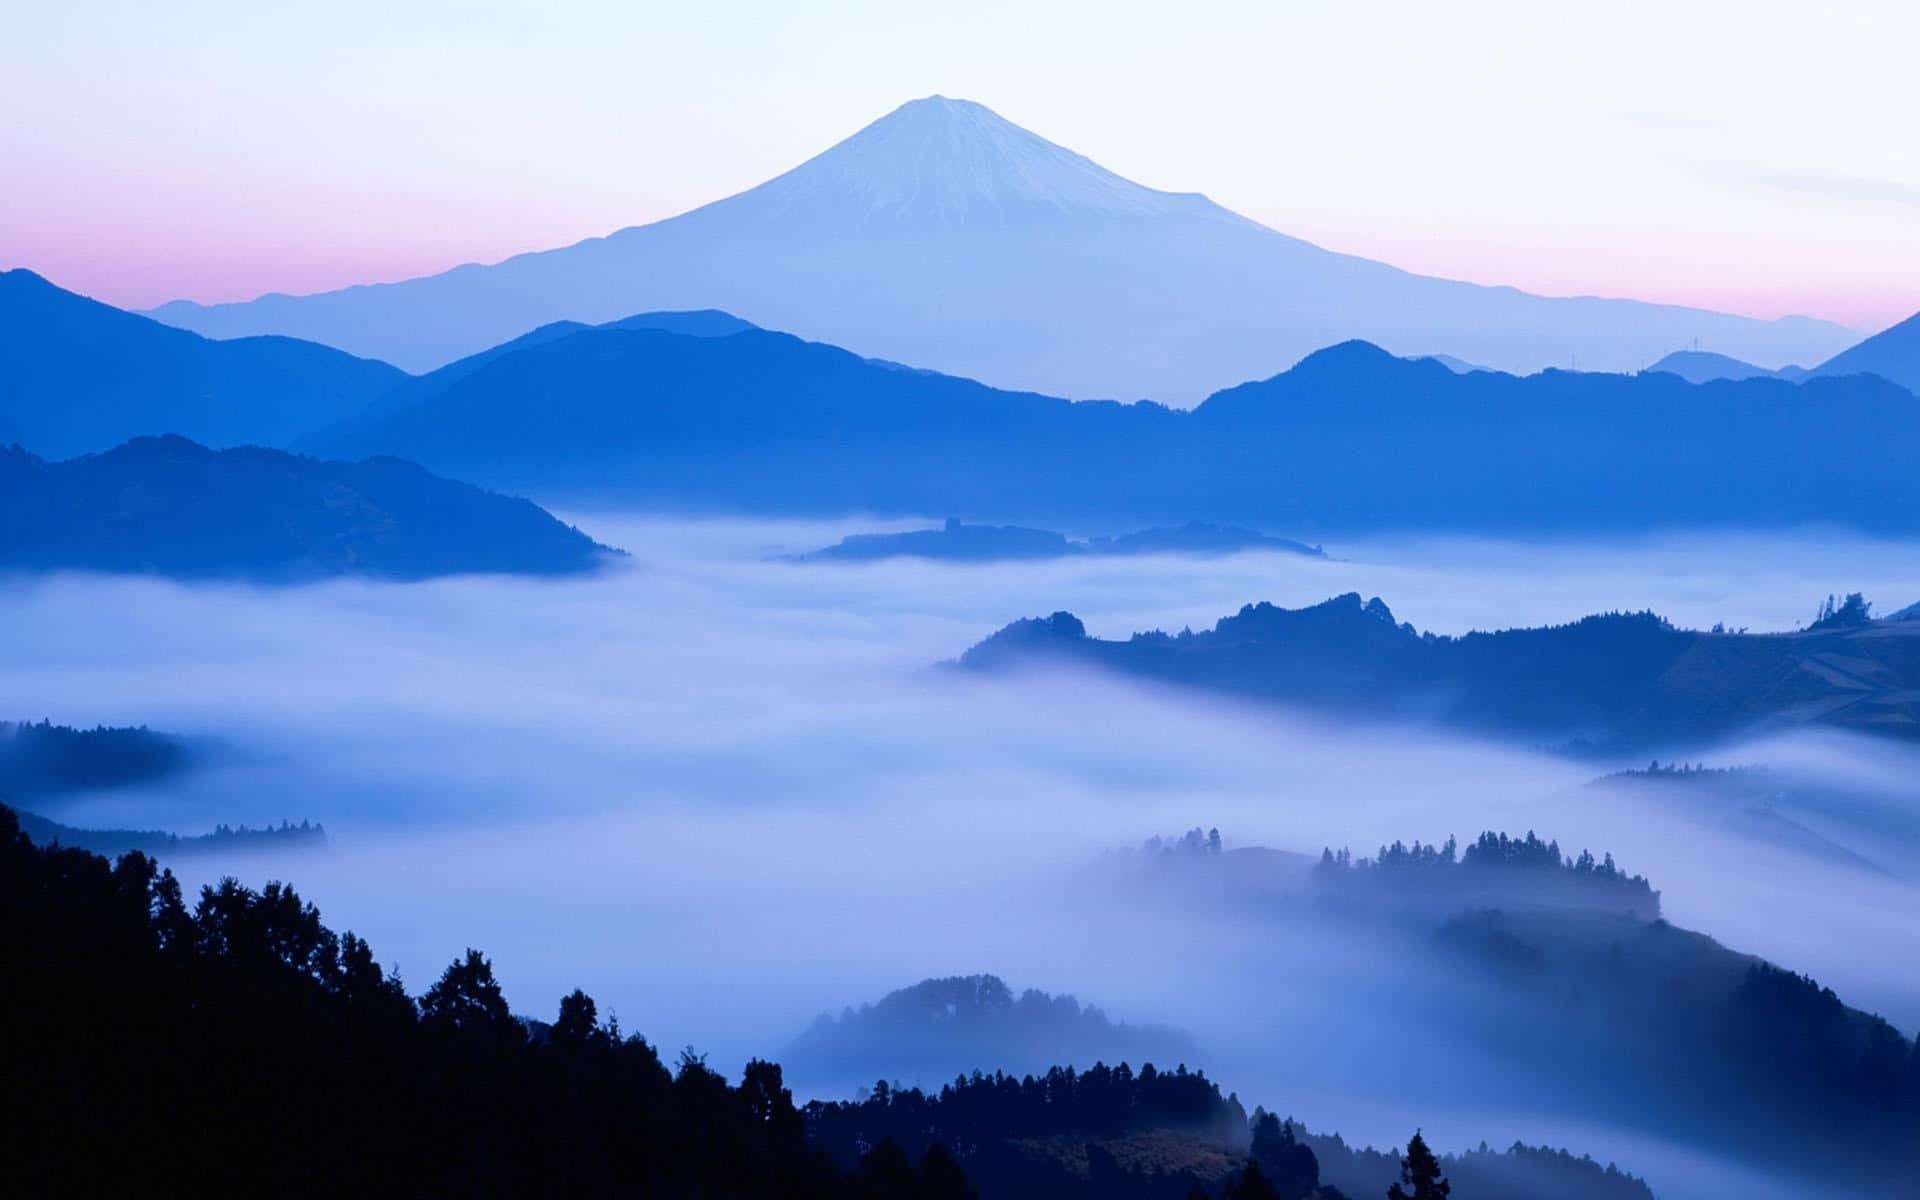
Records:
x=724, y=794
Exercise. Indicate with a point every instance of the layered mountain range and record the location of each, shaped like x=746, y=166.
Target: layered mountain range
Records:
x=1893, y=353
x=1351, y=438
x=701, y=410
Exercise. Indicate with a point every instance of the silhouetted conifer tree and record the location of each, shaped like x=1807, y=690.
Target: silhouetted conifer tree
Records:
x=1420, y=1177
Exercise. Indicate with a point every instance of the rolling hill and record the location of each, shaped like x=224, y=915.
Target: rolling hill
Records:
x=1553, y=966
x=167, y=506
x=1350, y=439
x=78, y=376
x=948, y=237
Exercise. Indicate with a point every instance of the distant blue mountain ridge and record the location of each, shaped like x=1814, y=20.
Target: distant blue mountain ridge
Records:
x=704, y=411
x=1349, y=439
x=77, y=375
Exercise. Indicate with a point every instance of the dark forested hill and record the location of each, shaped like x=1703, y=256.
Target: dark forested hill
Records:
x=49, y=760
x=232, y=1044
x=224, y=839
x=1617, y=681
x=1116, y=1133
x=167, y=506
x=942, y=1027
x=44, y=763
x=78, y=376
x=1351, y=438
x=1570, y=994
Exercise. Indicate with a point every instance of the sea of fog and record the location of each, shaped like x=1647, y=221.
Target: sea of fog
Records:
x=723, y=793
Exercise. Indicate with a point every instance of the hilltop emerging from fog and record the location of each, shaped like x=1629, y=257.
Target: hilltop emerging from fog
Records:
x=167, y=506
x=1610, y=682
x=957, y=541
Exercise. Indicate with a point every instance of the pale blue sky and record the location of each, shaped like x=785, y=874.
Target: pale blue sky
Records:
x=1757, y=157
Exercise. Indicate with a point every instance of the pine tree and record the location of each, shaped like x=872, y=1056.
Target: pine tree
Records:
x=1420, y=1171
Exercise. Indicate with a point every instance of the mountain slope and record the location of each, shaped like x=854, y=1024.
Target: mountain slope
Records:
x=945, y=236
x=78, y=376
x=1620, y=681
x=1351, y=439
x=167, y=506
x=354, y=430
x=1891, y=354
x=753, y=419
x=1517, y=951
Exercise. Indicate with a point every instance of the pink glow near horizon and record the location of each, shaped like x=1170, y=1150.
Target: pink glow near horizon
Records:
x=204, y=266
x=215, y=150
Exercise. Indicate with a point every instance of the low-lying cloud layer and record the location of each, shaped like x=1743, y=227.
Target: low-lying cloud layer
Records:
x=724, y=794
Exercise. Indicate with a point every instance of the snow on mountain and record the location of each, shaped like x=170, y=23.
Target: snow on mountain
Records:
x=946, y=237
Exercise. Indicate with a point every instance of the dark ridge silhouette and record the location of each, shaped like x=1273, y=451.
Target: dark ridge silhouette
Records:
x=225, y=839
x=78, y=376
x=1892, y=353
x=1520, y=1172
x=650, y=414
x=168, y=506
x=1114, y=1132
x=1603, y=684
x=1350, y=439
x=238, y=1046
x=1523, y=952
x=344, y=435
x=957, y=541
x=1493, y=871
x=940, y=1027
x=52, y=760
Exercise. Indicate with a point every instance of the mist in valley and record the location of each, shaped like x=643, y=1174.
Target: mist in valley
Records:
x=723, y=793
